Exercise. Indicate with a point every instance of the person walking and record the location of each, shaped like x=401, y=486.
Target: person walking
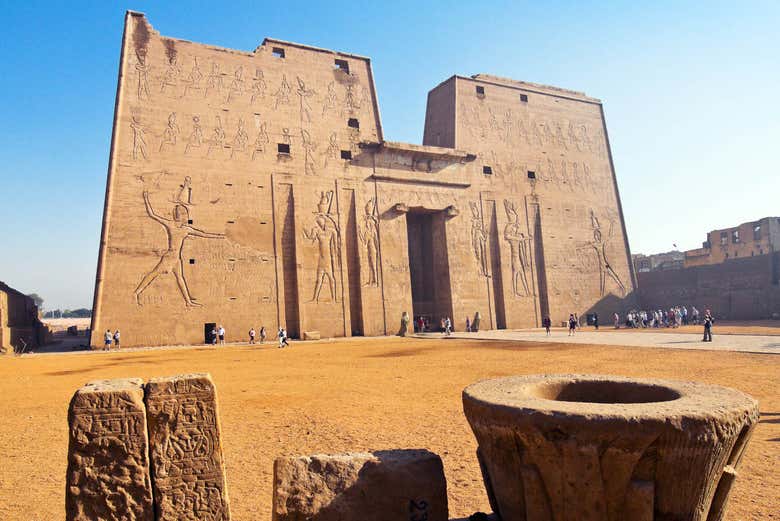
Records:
x=116, y=338
x=214, y=336
x=708, y=321
x=546, y=322
x=468, y=325
x=107, y=340
x=447, y=326
x=572, y=324
x=596, y=321
x=616, y=317
x=262, y=334
x=221, y=333
x=252, y=335
x=283, y=338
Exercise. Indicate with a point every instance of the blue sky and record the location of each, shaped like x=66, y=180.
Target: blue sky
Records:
x=690, y=91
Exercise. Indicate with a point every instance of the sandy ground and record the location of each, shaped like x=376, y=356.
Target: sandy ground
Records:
x=347, y=396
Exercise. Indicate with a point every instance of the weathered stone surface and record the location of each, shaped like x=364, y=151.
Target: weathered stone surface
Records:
x=185, y=448
x=311, y=335
x=257, y=187
x=108, y=454
x=582, y=448
x=406, y=485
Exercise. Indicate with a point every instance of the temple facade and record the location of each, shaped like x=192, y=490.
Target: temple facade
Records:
x=254, y=189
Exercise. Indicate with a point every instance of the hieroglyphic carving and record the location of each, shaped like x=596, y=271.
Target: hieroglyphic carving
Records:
x=331, y=98
x=304, y=94
x=332, y=152
x=258, y=86
x=193, y=79
x=217, y=137
x=240, y=140
x=178, y=229
x=520, y=248
x=236, y=86
x=172, y=73
x=196, y=136
x=282, y=94
x=186, y=450
x=142, y=72
x=214, y=81
x=108, y=475
x=261, y=141
x=599, y=245
x=479, y=236
x=351, y=103
x=369, y=236
x=139, y=139
x=308, y=152
x=171, y=132
x=326, y=234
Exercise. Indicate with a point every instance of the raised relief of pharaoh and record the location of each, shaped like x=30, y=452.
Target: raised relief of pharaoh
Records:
x=520, y=248
x=325, y=233
x=599, y=248
x=479, y=240
x=369, y=236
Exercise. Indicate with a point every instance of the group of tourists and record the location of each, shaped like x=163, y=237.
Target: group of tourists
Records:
x=110, y=338
x=284, y=340
x=675, y=317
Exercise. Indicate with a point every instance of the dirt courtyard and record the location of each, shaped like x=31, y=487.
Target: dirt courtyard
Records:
x=350, y=395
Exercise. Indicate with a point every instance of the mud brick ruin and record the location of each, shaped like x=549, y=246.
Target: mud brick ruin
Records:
x=257, y=188
x=115, y=426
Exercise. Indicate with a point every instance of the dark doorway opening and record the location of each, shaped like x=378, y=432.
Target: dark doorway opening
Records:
x=208, y=336
x=429, y=266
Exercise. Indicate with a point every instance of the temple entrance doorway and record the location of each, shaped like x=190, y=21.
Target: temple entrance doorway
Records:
x=429, y=267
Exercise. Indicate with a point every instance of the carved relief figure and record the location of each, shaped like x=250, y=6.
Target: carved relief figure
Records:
x=236, y=86
x=142, y=71
x=241, y=139
x=304, y=94
x=194, y=78
x=261, y=141
x=327, y=236
x=177, y=230
x=369, y=236
x=479, y=239
x=520, y=247
x=217, y=138
x=351, y=103
x=599, y=245
x=172, y=74
x=282, y=94
x=332, y=151
x=508, y=124
x=331, y=98
x=308, y=152
x=196, y=136
x=214, y=81
x=170, y=133
x=258, y=86
x=139, y=142
x=286, y=137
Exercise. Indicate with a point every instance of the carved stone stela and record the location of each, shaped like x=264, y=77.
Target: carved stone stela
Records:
x=108, y=454
x=604, y=448
x=118, y=426
x=186, y=452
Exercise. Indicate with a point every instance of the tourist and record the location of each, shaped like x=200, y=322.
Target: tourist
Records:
x=283, y=338
x=695, y=315
x=572, y=324
x=116, y=338
x=708, y=321
x=221, y=333
x=596, y=321
x=475, y=322
x=404, y=324
x=214, y=336
x=108, y=338
x=262, y=334
x=616, y=317
x=443, y=325
x=468, y=325
x=252, y=335
x=447, y=326
x=546, y=323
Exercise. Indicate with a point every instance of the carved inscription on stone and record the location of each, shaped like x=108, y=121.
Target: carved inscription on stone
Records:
x=108, y=454
x=186, y=453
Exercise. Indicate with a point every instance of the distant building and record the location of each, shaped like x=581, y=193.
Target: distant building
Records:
x=749, y=239
x=671, y=260
x=18, y=319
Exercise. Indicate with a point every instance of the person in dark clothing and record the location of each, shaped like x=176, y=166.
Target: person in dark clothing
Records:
x=708, y=321
x=596, y=320
x=572, y=325
x=546, y=323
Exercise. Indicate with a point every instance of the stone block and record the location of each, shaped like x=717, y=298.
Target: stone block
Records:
x=593, y=448
x=311, y=335
x=185, y=448
x=391, y=485
x=108, y=454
